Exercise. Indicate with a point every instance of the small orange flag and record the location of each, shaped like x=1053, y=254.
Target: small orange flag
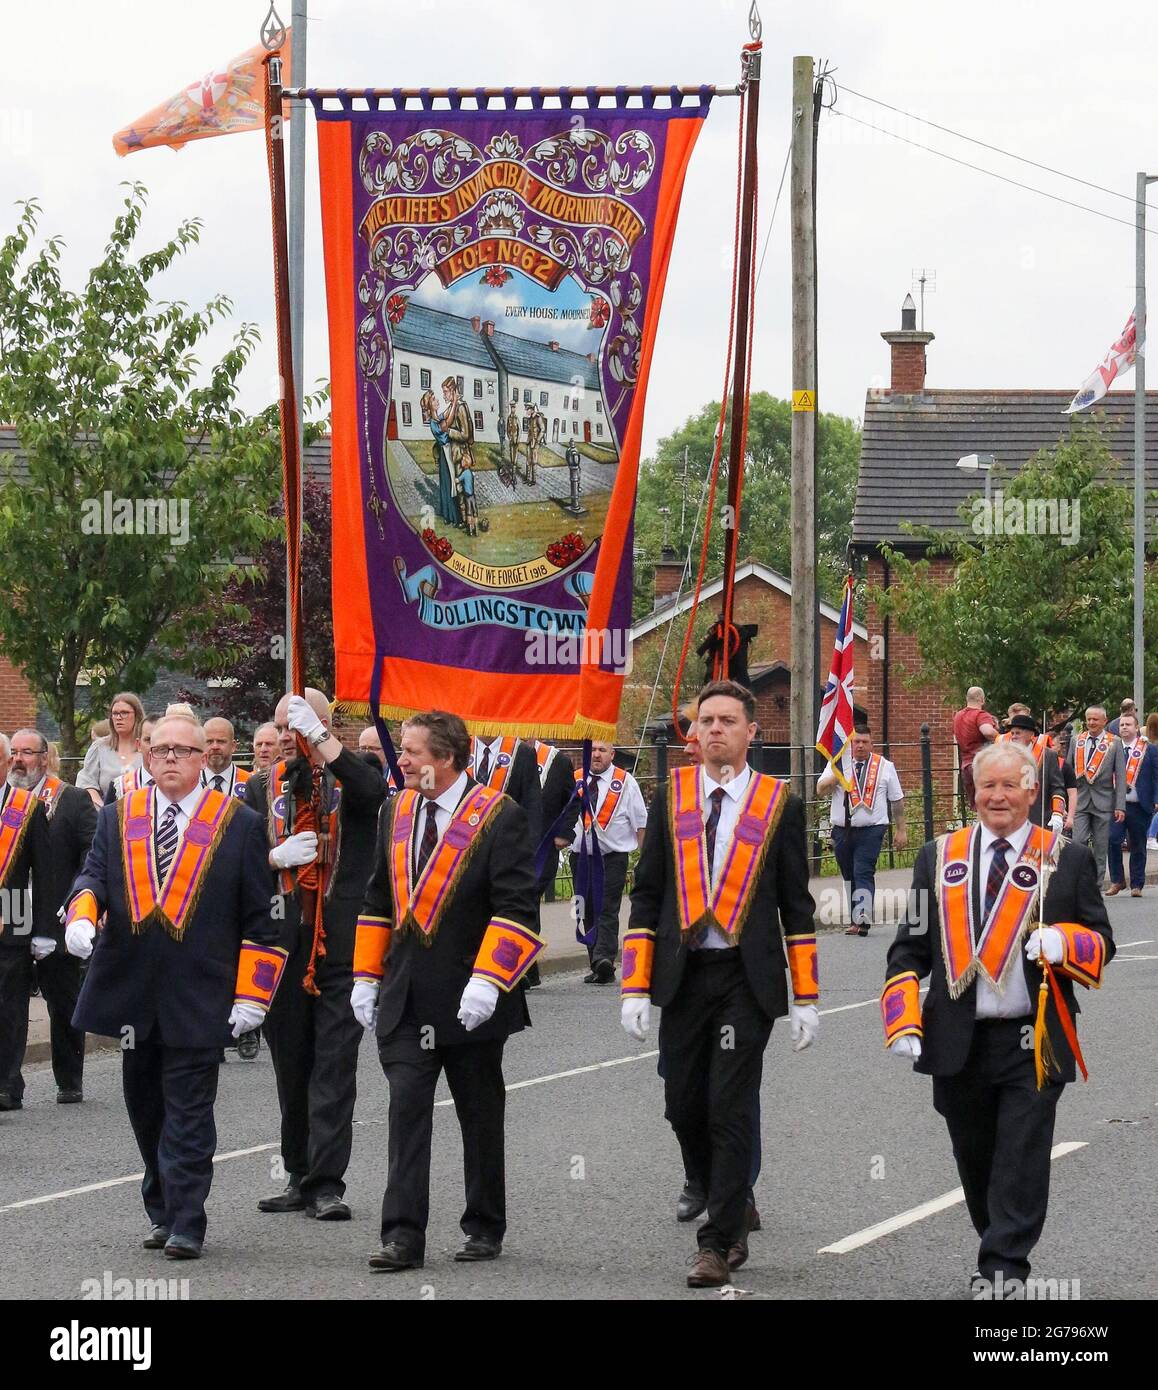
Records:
x=226, y=100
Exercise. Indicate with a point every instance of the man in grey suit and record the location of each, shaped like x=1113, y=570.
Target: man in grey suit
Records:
x=1099, y=764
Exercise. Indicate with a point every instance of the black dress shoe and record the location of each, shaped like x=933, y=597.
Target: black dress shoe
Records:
x=479, y=1248
x=591, y=979
x=183, y=1248
x=328, y=1207
x=10, y=1102
x=604, y=972
x=289, y=1200
x=69, y=1097
x=156, y=1238
x=395, y=1257
x=693, y=1202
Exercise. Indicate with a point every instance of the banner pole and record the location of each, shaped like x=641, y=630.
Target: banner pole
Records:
x=287, y=396
x=742, y=346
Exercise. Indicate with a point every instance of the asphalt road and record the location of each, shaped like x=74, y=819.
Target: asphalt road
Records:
x=850, y=1139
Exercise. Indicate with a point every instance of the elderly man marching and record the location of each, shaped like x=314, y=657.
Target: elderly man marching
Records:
x=720, y=906
x=321, y=813
x=186, y=954
x=1099, y=763
x=448, y=929
x=1001, y=972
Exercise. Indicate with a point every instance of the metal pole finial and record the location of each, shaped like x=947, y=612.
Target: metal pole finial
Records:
x=273, y=31
x=755, y=24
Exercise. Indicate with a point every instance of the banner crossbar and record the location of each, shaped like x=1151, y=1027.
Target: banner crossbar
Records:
x=510, y=98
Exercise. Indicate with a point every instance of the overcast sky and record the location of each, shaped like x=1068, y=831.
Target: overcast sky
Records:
x=1029, y=293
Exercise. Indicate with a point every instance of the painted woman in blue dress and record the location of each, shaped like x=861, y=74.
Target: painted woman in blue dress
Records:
x=447, y=506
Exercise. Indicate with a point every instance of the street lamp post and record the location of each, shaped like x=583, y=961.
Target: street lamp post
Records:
x=971, y=463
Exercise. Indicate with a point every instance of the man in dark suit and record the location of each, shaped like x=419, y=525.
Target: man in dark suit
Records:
x=720, y=905
x=557, y=787
x=973, y=926
x=1141, y=779
x=29, y=930
x=71, y=818
x=508, y=765
x=186, y=957
x=320, y=818
x=447, y=931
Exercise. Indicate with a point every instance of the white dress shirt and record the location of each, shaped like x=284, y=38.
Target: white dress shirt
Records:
x=621, y=834
x=495, y=745
x=888, y=789
x=1013, y=1001
x=228, y=779
x=717, y=940
x=445, y=806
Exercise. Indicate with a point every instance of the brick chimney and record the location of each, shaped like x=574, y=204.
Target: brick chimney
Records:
x=476, y=323
x=908, y=352
x=553, y=345
x=489, y=328
x=668, y=569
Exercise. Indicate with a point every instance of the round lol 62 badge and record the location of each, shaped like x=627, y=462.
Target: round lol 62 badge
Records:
x=1024, y=876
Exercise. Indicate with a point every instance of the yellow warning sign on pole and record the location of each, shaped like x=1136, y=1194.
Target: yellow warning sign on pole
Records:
x=804, y=400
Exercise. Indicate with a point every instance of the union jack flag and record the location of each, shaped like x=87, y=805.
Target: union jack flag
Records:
x=834, y=735
x=1120, y=358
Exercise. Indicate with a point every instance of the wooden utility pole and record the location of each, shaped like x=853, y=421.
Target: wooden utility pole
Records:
x=802, y=733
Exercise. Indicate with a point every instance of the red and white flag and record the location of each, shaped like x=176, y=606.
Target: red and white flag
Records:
x=834, y=734
x=1120, y=358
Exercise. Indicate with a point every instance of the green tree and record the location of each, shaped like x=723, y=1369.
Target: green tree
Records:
x=1031, y=617
x=100, y=387
x=766, y=503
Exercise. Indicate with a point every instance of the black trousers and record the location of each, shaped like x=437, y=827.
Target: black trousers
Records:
x=58, y=978
x=1001, y=1126
x=474, y=1073
x=712, y=1040
x=169, y=1092
x=313, y=1041
x=606, y=945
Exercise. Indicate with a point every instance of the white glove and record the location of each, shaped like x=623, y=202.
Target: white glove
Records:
x=42, y=946
x=477, y=1003
x=1047, y=942
x=635, y=1015
x=364, y=1002
x=907, y=1047
x=302, y=719
x=1056, y=821
x=244, y=1018
x=803, y=1025
x=295, y=850
x=79, y=937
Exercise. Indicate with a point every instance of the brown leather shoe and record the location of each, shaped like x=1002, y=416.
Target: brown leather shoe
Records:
x=738, y=1253
x=1115, y=888
x=709, y=1271
x=1135, y=892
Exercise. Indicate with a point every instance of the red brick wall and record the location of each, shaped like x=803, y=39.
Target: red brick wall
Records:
x=17, y=703
x=909, y=708
x=908, y=368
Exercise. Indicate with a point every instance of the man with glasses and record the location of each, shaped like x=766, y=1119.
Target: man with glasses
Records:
x=47, y=966
x=187, y=955
x=28, y=930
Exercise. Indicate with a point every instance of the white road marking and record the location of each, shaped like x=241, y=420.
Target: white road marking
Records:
x=915, y=1214
x=1125, y=945
x=265, y=1148
x=1119, y=957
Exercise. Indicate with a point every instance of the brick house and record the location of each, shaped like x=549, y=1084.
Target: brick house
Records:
x=910, y=445
x=761, y=596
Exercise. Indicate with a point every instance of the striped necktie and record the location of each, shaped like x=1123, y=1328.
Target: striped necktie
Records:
x=429, y=838
x=218, y=782
x=998, y=868
x=484, y=767
x=167, y=838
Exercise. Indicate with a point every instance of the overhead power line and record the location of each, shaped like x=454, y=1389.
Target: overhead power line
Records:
x=980, y=169
x=997, y=149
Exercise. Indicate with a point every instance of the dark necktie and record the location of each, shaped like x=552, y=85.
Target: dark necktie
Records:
x=429, y=838
x=710, y=830
x=484, y=767
x=998, y=868
x=218, y=783
x=592, y=796
x=167, y=838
